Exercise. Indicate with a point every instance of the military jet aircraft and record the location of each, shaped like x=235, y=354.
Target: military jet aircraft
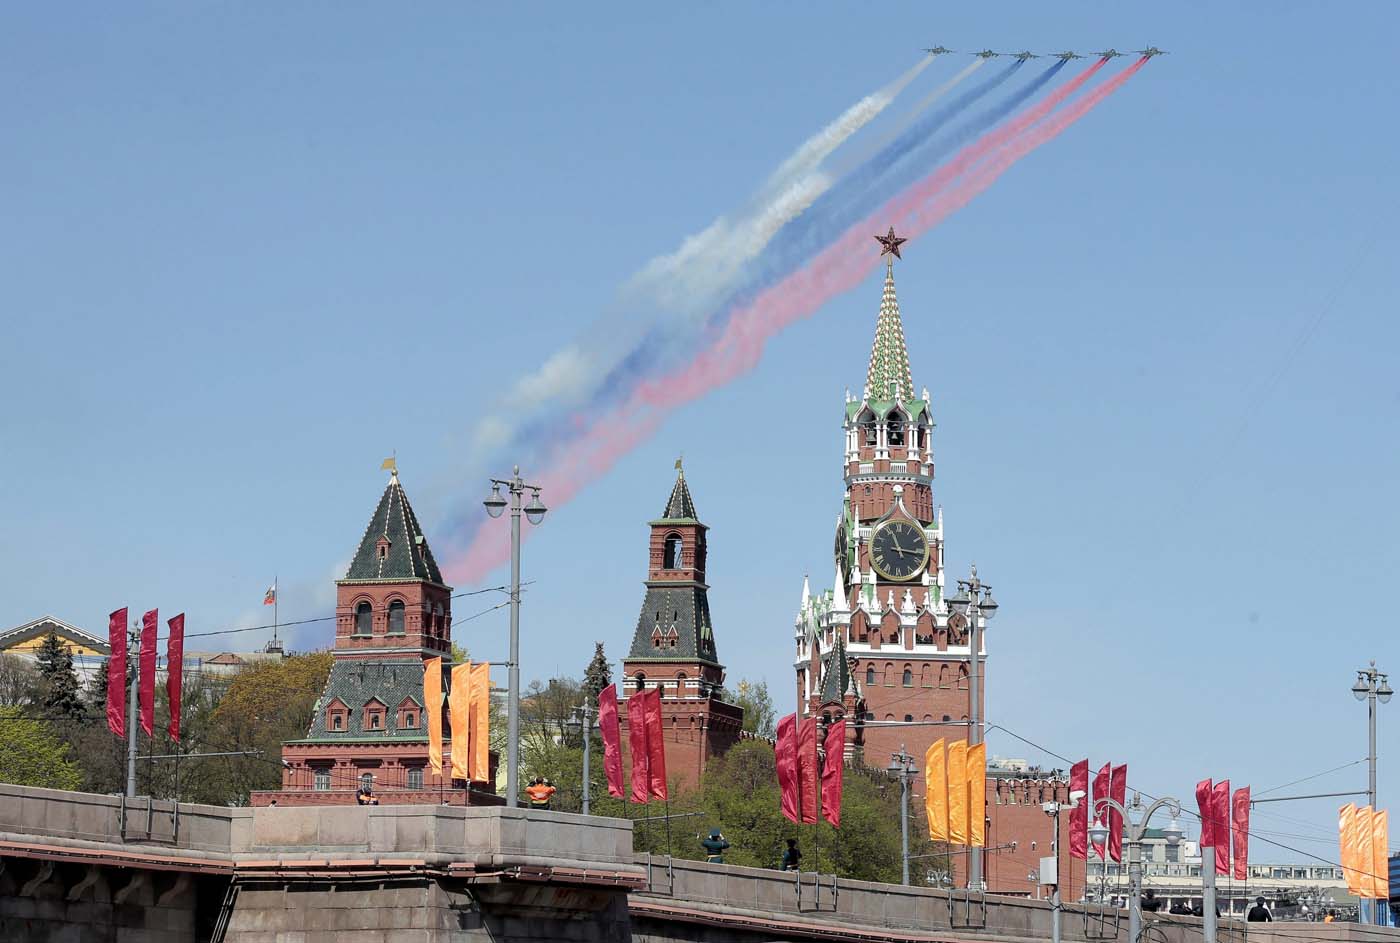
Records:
x=1067, y=56
x=986, y=54
x=939, y=50
x=1150, y=51
x=1023, y=56
x=1111, y=54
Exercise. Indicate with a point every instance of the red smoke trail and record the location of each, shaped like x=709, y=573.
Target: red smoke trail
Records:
x=836, y=269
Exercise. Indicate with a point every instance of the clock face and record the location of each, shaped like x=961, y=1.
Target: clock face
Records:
x=899, y=550
x=842, y=559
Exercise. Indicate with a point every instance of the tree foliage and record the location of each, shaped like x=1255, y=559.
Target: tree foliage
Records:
x=759, y=715
x=59, y=692
x=19, y=680
x=597, y=675
x=32, y=753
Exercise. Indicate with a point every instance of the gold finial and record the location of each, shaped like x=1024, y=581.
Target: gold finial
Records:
x=679, y=462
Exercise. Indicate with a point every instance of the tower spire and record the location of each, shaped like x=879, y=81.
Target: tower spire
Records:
x=889, y=376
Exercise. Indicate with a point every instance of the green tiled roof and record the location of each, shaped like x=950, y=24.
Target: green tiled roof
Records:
x=408, y=556
x=889, y=376
x=680, y=508
x=354, y=683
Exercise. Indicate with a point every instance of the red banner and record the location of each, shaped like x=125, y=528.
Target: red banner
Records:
x=1240, y=821
x=116, y=673
x=1118, y=789
x=1220, y=812
x=786, y=757
x=612, y=739
x=174, y=671
x=833, y=772
x=1079, y=815
x=807, y=769
x=146, y=685
x=1101, y=782
x=637, y=745
x=656, y=745
x=1204, y=788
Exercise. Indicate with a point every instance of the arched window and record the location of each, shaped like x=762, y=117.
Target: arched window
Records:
x=870, y=428
x=962, y=678
x=870, y=675
x=908, y=677
x=894, y=429
x=438, y=620
x=396, y=617
x=415, y=777
x=367, y=780
x=641, y=680
x=364, y=619
x=672, y=553
x=943, y=676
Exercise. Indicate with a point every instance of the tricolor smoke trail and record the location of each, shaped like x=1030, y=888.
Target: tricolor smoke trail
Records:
x=687, y=283
x=836, y=269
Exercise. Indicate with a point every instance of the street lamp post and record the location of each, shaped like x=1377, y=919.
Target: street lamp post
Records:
x=495, y=504
x=974, y=601
x=902, y=766
x=583, y=722
x=1052, y=809
x=1136, y=830
x=1371, y=686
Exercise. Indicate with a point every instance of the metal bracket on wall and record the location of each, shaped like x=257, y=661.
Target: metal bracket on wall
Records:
x=1096, y=921
x=974, y=909
x=816, y=892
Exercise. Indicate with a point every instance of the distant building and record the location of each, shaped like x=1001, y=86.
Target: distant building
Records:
x=89, y=652
x=673, y=644
x=369, y=727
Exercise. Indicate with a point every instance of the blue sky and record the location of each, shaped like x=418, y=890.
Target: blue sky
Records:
x=248, y=253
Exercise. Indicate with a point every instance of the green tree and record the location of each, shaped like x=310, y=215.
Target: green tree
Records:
x=33, y=754
x=597, y=675
x=100, y=754
x=759, y=716
x=266, y=703
x=59, y=692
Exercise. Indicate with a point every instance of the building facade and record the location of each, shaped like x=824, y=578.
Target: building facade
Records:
x=673, y=645
x=393, y=611
x=882, y=646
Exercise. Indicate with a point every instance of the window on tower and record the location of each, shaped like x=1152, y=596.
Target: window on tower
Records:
x=673, y=547
x=894, y=429
x=396, y=610
x=870, y=675
x=364, y=619
x=908, y=678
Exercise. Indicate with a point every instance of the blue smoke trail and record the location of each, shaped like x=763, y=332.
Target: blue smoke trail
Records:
x=876, y=180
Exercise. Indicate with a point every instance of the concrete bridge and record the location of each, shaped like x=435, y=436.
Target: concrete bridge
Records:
x=81, y=867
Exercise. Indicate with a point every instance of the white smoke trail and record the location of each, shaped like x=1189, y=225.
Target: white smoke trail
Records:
x=683, y=285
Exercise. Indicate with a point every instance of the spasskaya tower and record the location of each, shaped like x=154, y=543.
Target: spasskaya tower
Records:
x=882, y=644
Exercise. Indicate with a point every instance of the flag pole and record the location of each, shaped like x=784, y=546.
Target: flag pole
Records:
x=276, y=591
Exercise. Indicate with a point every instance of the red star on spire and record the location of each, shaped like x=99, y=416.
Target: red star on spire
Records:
x=890, y=243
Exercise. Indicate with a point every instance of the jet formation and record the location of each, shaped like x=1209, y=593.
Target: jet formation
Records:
x=1066, y=56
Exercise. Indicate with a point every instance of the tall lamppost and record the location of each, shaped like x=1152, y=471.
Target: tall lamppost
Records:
x=495, y=504
x=1136, y=830
x=974, y=602
x=1371, y=686
x=1053, y=809
x=902, y=766
x=582, y=721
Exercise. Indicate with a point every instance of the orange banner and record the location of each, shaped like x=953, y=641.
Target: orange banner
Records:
x=458, y=716
x=432, y=711
x=977, y=795
x=1380, y=853
x=957, y=792
x=480, y=722
x=1346, y=834
x=1364, y=856
x=936, y=790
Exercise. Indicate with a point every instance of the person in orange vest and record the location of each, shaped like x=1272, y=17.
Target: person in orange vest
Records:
x=540, y=792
